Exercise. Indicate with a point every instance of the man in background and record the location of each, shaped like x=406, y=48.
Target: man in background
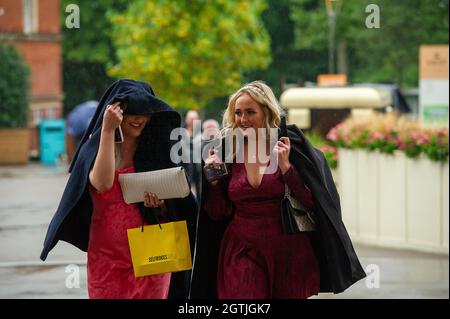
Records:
x=191, y=119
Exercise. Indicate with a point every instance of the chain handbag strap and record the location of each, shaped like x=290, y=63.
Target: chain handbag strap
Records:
x=287, y=192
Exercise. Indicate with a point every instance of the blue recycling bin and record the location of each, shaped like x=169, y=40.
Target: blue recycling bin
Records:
x=52, y=141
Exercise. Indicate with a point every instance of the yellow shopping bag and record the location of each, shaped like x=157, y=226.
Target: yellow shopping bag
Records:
x=157, y=249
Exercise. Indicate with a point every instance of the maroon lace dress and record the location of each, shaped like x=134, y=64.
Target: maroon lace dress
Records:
x=256, y=259
x=109, y=267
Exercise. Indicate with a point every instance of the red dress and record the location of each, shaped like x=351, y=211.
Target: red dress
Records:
x=109, y=267
x=256, y=259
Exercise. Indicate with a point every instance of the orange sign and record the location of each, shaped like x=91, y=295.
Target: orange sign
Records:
x=434, y=62
x=331, y=79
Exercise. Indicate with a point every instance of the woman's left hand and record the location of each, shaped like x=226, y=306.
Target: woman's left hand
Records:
x=152, y=201
x=282, y=149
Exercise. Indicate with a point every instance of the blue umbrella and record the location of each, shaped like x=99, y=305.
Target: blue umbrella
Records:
x=79, y=118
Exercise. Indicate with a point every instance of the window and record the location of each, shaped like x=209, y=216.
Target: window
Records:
x=50, y=113
x=37, y=116
x=30, y=16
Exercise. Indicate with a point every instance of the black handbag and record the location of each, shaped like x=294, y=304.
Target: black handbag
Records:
x=295, y=218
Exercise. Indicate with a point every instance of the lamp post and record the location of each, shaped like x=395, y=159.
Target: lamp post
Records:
x=331, y=12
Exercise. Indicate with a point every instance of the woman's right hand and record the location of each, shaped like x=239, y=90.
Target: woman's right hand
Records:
x=112, y=117
x=214, y=161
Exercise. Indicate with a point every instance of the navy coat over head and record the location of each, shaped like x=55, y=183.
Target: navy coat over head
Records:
x=71, y=222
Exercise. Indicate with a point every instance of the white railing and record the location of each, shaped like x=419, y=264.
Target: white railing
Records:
x=394, y=201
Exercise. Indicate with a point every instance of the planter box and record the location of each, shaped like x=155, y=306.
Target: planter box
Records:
x=348, y=190
x=392, y=196
x=367, y=199
x=14, y=146
x=423, y=201
x=335, y=174
x=445, y=211
x=393, y=201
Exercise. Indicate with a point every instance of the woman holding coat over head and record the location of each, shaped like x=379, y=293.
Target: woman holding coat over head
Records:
x=92, y=214
x=241, y=249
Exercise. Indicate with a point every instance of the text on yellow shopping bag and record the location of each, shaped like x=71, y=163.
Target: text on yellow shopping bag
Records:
x=156, y=250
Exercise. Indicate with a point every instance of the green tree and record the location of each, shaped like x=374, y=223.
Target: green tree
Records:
x=13, y=88
x=386, y=54
x=290, y=64
x=190, y=51
x=87, y=50
x=92, y=41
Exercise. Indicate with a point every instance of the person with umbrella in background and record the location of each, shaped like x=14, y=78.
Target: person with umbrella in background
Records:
x=77, y=123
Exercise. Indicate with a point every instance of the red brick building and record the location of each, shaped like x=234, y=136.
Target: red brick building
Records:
x=34, y=27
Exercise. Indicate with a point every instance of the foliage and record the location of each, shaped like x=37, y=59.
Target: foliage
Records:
x=330, y=152
x=316, y=139
x=83, y=81
x=386, y=54
x=390, y=132
x=190, y=51
x=92, y=41
x=87, y=50
x=289, y=64
x=331, y=155
x=13, y=88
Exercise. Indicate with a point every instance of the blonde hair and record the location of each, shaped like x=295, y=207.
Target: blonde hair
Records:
x=262, y=94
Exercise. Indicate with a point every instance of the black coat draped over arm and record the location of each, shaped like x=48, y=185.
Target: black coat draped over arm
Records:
x=339, y=264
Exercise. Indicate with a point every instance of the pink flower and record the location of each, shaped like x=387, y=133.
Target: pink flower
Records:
x=391, y=137
x=328, y=148
x=357, y=134
x=347, y=139
x=443, y=132
x=419, y=137
x=421, y=142
x=400, y=144
x=376, y=136
x=339, y=126
x=332, y=135
x=410, y=145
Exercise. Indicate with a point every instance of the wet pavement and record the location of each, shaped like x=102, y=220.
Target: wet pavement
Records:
x=29, y=195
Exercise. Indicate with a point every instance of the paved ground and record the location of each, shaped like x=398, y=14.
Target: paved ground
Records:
x=30, y=194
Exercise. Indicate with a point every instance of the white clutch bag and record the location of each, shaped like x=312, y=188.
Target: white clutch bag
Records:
x=165, y=183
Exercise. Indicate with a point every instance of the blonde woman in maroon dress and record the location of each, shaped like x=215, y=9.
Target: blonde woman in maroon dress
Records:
x=241, y=250
x=256, y=259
